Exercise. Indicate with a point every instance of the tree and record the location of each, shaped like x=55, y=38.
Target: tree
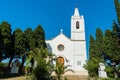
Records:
x=112, y=47
x=19, y=42
x=92, y=67
x=107, y=43
x=19, y=45
x=91, y=47
x=112, y=41
x=107, y=50
x=92, y=63
x=6, y=42
x=40, y=37
x=98, y=44
x=1, y=41
x=30, y=39
x=117, y=7
x=115, y=55
x=95, y=53
x=106, y=47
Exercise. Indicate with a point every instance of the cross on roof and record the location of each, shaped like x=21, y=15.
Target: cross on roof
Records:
x=61, y=31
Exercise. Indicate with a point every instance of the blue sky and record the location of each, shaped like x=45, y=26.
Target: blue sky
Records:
x=54, y=15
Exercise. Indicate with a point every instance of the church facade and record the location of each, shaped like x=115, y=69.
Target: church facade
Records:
x=71, y=51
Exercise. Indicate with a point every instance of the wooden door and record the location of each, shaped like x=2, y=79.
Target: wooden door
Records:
x=60, y=60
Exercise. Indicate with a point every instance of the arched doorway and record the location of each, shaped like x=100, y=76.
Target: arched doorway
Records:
x=60, y=60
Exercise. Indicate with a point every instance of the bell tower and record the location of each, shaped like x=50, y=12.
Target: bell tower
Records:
x=77, y=26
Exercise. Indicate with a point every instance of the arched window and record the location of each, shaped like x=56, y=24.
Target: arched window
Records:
x=77, y=25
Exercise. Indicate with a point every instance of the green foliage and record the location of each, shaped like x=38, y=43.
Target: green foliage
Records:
x=92, y=67
x=115, y=56
x=92, y=47
x=117, y=7
x=5, y=40
x=19, y=42
x=59, y=70
x=109, y=71
x=104, y=47
x=98, y=44
x=41, y=72
x=107, y=44
x=95, y=53
x=40, y=37
x=43, y=68
x=30, y=39
x=19, y=45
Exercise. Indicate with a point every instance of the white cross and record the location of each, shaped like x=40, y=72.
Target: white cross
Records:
x=61, y=31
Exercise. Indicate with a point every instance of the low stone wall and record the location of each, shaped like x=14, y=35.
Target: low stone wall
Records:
x=84, y=73
x=79, y=73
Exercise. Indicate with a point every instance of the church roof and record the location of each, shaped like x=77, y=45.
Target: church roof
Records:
x=61, y=34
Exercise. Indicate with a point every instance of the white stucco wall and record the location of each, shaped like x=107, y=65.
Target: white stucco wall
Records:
x=74, y=51
x=67, y=52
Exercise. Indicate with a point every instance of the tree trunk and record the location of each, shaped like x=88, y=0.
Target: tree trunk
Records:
x=10, y=61
x=0, y=57
x=21, y=66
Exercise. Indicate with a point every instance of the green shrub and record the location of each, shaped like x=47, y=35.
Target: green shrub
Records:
x=109, y=71
x=92, y=68
x=41, y=73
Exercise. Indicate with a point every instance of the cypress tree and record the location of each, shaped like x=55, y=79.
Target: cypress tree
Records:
x=98, y=44
x=117, y=7
x=112, y=47
x=19, y=45
x=40, y=37
x=6, y=40
x=115, y=56
x=30, y=39
x=92, y=63
x=107, y=43
x=91, y=47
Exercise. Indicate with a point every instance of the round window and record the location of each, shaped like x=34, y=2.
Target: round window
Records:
x=60, y=47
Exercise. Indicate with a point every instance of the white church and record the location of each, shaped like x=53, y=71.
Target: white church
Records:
x=71, y=51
